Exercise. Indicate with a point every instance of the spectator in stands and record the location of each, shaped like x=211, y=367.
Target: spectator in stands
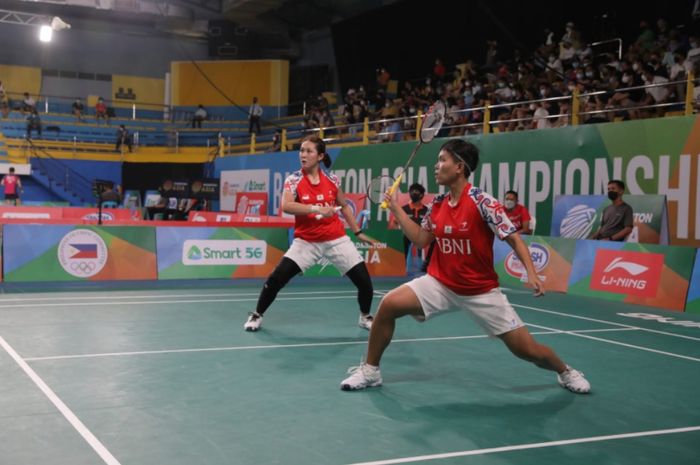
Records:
x=276, y=142
x=618, y=218
x=28, y=104
x=517, y=213
x=110, y=194
x=13, y=186
x=78, y=109
x=167, y=203
x=123, y=138
x=254, y=114
x=199, y=115
x=101, y=111
x=33, y=122
x=383, y=78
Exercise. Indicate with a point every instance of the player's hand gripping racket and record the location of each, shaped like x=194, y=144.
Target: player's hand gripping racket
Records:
x=431, y=124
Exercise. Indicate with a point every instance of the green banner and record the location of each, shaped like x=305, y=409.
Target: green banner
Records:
x=656, y=156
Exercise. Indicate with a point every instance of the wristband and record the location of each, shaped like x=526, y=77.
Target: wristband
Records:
x=357, y=233
x=315, y=209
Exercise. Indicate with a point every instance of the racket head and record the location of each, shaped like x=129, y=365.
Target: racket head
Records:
x=432, y=121
x=377, y=188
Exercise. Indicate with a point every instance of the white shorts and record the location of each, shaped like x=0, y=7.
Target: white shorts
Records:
x=340, y=252
x=491, y=310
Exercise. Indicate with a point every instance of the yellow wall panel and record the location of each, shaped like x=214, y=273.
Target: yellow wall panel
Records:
x=148, y=93
x=238, y=80
x=20, y=79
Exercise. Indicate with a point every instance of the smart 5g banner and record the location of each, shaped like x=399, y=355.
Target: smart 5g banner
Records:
x=78, y=253
x=199, y=253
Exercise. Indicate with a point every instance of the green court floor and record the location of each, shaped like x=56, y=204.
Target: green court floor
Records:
x=147, y=377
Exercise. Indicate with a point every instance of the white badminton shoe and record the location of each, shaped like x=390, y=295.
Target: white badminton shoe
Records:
x=574, y=381
x=361, y=377
x=365, y=321
x=253, y=322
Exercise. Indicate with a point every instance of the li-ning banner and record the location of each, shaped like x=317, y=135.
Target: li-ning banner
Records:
x=655, y=156
x=552, y=257
x=579, y=216
x=643, y=274
x=199, y=253
x=78, y=253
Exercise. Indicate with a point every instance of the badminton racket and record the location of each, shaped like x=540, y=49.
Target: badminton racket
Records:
x=432, y=121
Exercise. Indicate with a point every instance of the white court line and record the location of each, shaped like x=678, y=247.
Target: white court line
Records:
x=151, y=302
x=63, y=408
x=282, y=346
x=536, y=445
x=160, y=296
x=537, y=309
x=632, y=346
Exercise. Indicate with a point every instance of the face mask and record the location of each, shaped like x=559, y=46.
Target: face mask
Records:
x=415, y=197
x=501, y=85
x=612, y=195
x=574, y=64
x=635, y=66
x=589, y=74
x=693, y=45
x=626, y=79
x=477, y=89
x=533, y=107
x=510, y=204
x=552, y=59
x=579, y=76
x=543, y=92
x=571, y=88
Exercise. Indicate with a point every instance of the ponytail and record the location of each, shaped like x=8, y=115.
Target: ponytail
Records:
x=326, y=160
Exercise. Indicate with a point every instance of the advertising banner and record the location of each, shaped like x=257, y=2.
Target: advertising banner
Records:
x=552, y=257
x=579, y=216
x=78, y=253
x=251, y=203
x=574, y=160
x=643, y=274
x=199, y=253
x=693, y=303
x=241, y=180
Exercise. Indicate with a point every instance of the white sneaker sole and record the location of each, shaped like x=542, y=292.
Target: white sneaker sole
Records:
x=347, y=387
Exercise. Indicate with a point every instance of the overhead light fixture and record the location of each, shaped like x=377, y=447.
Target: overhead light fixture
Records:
x=45, y=33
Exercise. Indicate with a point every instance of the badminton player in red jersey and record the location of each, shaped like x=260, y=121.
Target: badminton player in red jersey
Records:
x=314, y=198
x=461, y=275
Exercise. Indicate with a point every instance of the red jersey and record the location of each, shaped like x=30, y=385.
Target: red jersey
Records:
x=10, y=183
x=518, y=215
x=463, y=258
x=324, y=193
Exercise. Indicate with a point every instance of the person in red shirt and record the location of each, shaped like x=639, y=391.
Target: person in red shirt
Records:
x=314, y=197
x=13, y=186
x=461, y=274
x=517, y=214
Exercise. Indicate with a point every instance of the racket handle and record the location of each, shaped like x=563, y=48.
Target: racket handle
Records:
x=391, y=190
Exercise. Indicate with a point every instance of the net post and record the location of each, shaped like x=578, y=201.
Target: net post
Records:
x=284, y=140
x=365, y=131
x=689, y=90
x=487, y=117
x=252, y=142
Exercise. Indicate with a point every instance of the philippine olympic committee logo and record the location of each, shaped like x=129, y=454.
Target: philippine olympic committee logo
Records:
x=82, y=253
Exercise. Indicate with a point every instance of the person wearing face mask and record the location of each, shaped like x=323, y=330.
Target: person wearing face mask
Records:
x=415, y=209
x=517, y=214
x=618, y=218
